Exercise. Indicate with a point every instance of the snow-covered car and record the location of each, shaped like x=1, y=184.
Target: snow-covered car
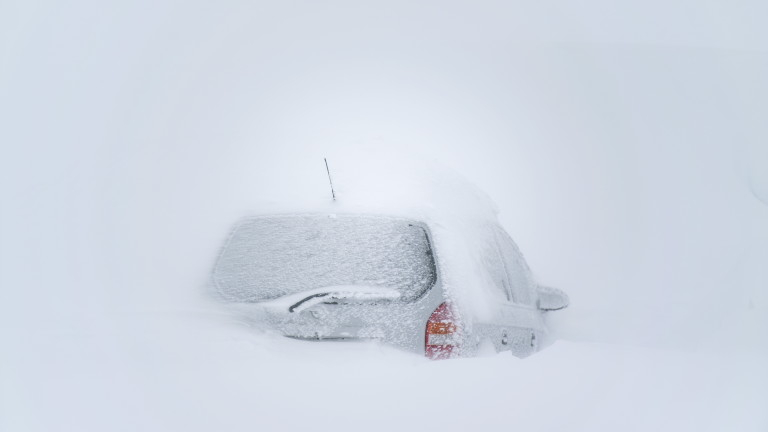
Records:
x=334, y=276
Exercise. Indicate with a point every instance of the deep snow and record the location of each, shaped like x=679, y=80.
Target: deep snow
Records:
x=623, y=144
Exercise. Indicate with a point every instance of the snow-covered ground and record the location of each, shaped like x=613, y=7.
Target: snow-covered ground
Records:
x=624, y=145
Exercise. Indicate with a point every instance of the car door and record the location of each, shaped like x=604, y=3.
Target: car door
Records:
x=520, y=319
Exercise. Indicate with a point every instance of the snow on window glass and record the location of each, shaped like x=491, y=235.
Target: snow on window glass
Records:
x=270, y=257
x=520, y=278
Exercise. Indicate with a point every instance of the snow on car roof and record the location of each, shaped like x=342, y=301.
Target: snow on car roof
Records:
x=459, y=215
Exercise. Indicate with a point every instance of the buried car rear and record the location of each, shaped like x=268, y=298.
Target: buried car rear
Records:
x=321, y=277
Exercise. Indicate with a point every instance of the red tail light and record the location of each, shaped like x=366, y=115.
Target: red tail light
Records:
x=442, y=336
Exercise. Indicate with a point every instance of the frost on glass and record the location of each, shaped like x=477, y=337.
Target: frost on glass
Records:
x=521, y=281
x=271, y=257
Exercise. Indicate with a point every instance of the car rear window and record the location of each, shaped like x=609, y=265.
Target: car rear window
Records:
x=270, y=257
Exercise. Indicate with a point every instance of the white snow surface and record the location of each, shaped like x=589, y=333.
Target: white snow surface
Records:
x=622, y=146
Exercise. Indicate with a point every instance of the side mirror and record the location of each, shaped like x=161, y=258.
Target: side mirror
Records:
x=551, y=299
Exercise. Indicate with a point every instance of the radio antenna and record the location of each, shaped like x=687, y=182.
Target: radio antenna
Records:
x=333, y=194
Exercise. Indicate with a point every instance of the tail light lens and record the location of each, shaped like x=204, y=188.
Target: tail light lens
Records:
x=442, y=337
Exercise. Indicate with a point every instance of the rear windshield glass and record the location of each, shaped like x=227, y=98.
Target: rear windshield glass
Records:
x=271, y=257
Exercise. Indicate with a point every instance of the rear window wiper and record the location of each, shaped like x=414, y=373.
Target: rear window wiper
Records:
x=343, y=293
x=306, y=299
